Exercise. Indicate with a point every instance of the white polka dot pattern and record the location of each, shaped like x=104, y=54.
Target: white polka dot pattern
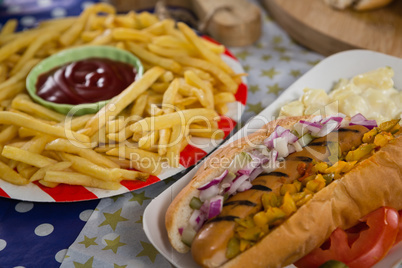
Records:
x=3, y=244
x=84, y=216
x=23, y=207
x=44, y=229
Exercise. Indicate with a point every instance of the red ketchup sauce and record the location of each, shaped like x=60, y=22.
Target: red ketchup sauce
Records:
x=85, y=81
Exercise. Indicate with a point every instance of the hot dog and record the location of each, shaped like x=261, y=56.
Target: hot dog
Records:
x=290, y=209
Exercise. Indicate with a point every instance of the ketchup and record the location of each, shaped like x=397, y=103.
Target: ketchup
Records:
x=85, y=81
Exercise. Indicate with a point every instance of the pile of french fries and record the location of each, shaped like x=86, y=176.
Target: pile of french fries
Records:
x=185, y=86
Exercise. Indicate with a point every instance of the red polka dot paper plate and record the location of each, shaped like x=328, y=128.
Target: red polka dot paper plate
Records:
x=192, y=154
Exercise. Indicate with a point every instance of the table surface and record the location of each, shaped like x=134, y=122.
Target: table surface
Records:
x=109, y=232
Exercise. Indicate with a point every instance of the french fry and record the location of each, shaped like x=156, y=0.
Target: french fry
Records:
x=3, y=72
x=76, y=123
x=12, y=90
x=23, y=103
x=74, y=178
x=185, y=101
x=164, y=138
x=19, y=75
x=204, y=51
x=147, y=56
x=10, y=175
x=121, y=101
x=124, y=34
x=167, y=52
x=48, y=183
x=200, y=131
x=224, y=97
x=26, y=157
x=121, y=136
x=176, y=118
x=40, y=174
x=87, y=167
x=160, y=87
x=14, y=46
x=63, y=145
x=88, y=36
x=173, y=151
x=9, y=27
x=148, y=141
x=222, y=108
x=69, y=36
x=8, y=133
x=115, y=125
x=141, y=160
x=133, y=175
x=139, y=105
x=37, y=125
x=32, y=48
x=189, y=90
x=170, y=41
x=27, y=171
x=170, y=95
x=222, y=76
x=168, y=76
x=146, y=19
x=104, y=38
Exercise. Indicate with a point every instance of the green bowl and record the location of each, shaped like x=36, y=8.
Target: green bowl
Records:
x=76, y=54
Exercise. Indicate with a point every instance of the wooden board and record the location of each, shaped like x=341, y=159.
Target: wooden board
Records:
x=315, y=25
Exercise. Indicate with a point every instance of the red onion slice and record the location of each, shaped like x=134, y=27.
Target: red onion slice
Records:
x=359, y=119
x=290, y=137
x=215, y=206
x=281, y=146
x=233, y=188
x=197, y=219
x=327, y=128
x=209, y=192
x=244, y=186
x=214, y=181
x=312, y=126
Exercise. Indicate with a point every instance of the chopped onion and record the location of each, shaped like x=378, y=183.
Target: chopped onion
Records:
x=255, y=173
x=359, y=119
x=261, y=158
x=250, y=166
x=316, y=118
x=290, y=137
x=236, y=183
x=338, y=119
x=273, y=156
x=239, y=161
x=244, y=186
x=291, y=149
x=297, y=146
x=209, y=192
x=227, y=181
x=215, y=206
x=281, y=145
x=314, y=127
x=327, y=128
x=197, y=219
x=214, y=181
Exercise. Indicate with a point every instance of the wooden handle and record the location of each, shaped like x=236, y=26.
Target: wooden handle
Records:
x=230, y=22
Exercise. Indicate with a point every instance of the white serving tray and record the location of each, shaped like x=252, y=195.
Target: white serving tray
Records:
x=322, y=76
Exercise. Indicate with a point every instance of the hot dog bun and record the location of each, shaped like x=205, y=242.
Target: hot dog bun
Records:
x=374, y=182
x=360, y=5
